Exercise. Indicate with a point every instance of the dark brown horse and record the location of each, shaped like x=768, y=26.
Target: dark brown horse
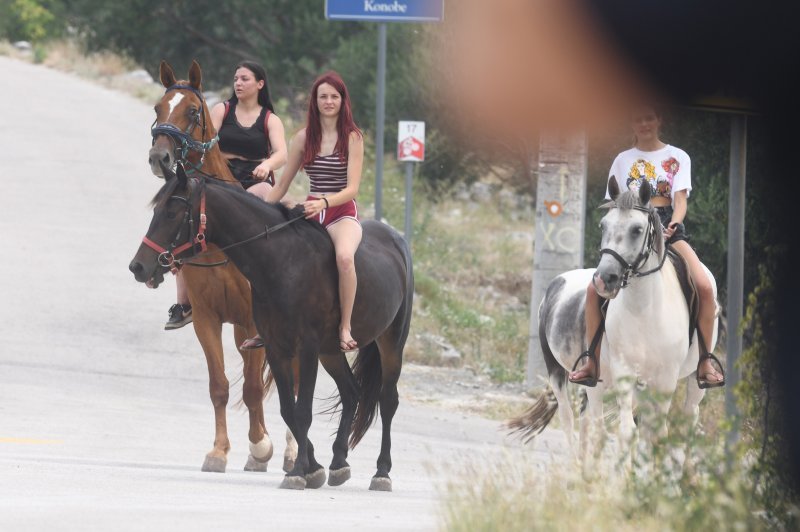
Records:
x=291, y=265
x=183, y=132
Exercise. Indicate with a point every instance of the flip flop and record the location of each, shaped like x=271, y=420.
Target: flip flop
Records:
x=589, y=380
x=703, y=382
x=255, y=342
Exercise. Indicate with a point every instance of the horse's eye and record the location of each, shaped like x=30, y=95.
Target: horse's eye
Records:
x=636, y=231
x=171, y=215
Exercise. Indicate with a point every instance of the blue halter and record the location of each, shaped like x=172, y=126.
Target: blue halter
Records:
x=184, y=139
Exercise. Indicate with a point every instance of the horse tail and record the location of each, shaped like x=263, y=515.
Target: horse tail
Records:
x=367, y=372
x=536, y=418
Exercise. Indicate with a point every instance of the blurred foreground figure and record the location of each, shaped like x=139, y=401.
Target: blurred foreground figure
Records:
x=514, y=67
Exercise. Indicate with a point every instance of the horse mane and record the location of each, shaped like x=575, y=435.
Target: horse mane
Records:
x=304, y=226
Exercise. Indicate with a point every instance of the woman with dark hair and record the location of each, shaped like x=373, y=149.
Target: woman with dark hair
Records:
x=331, y=151
x=667, y=171
x=251, y=139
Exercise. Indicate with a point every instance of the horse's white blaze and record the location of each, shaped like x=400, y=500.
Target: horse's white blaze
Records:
x=262, y=450
x=174, y=101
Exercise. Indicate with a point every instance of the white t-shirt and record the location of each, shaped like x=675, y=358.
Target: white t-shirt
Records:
x=667, y=170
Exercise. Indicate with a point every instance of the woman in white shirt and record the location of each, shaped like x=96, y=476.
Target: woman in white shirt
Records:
x=667, y=170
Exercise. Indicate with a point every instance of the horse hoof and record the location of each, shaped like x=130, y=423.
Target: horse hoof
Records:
x=293, y=483
x=337, y=477
x=213, y=464
x=261, y=451
x=288, y=464
x=254, y=464
x=380, y=484
x=316, y=479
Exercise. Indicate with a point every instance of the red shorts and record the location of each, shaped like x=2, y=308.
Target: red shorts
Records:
x=331, y=215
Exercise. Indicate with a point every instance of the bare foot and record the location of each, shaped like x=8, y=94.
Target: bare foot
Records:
x=587, y=372
x=346, y=342
x=708, y=372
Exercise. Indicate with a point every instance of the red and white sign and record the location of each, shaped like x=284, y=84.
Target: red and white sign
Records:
x=410, y=141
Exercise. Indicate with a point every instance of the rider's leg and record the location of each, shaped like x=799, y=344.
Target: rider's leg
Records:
x=592, y=317
x=180, y=314
x=346, y=236
x=708, y=307
x=260, y=189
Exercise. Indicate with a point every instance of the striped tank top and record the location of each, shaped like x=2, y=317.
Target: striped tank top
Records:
x=327, y=173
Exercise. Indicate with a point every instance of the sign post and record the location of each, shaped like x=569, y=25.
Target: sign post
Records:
x=383, y=11
x=411, y=149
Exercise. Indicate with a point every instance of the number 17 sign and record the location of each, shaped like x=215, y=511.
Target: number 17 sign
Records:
x=410, y=141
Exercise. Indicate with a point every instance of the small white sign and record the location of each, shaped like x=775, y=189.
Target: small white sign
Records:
x=410, y=141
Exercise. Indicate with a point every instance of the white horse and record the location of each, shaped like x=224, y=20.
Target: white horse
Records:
x=646, y=342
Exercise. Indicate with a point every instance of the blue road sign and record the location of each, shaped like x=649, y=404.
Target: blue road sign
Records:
x=385, y=10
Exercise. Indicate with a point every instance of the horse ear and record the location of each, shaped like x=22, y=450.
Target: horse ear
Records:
x=195, y=75
x=613, y=187
x=167, y=74
x=644, y=193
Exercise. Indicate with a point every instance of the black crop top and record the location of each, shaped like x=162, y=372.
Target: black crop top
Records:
x=246, y=142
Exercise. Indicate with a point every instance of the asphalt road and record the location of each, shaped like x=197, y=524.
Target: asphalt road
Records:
x=104, y=417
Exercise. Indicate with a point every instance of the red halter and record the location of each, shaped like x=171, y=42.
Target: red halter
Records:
x=166, y=257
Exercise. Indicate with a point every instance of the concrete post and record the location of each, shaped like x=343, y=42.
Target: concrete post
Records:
x=560, y=220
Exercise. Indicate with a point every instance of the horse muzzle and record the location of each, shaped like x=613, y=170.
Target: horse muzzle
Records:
x=152, y=279
x=160, y=154
x=607, y=285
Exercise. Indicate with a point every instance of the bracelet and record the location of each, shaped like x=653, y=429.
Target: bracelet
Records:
x=327, y=205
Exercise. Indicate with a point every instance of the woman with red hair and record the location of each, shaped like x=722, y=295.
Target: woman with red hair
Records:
x=331, y=151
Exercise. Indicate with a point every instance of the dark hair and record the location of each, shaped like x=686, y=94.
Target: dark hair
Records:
x=344, y=122
x=261, y=75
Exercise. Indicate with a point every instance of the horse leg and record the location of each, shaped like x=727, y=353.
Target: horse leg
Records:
x=290, y=454
x=338, y=368
x=391, y=356
x=307, y=471
x=592, y=426
x=209, y=333
x=691, y=410
x=253, y=396
x=565, y=414
x=627, y=427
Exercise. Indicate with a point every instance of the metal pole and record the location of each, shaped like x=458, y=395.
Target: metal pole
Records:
x=738, y=162
x=379, y=119
x=409, y=197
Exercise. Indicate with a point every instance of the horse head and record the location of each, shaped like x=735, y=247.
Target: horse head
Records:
x=631, y=233
x=173, y=232
x=182, y=130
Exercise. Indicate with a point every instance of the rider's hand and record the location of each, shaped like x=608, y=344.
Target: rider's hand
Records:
x=670, y=230
x=313, y=207
x=261, y=172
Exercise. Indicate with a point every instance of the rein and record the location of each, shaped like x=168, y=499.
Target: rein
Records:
x=167, y=256
x=183, y=140
x=632, y=269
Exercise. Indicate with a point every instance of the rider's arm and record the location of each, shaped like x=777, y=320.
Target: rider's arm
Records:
x=678, y=206
x=355, y=160
x=293, y=162
x=277, y=142
x=217, y=115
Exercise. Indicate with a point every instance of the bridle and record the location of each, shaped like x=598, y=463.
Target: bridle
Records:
x=633, y=269
x=182, y=141
x=167, y=257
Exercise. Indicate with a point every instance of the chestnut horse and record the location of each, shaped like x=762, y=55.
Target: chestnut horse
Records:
x=218, y=292
x=291, y=265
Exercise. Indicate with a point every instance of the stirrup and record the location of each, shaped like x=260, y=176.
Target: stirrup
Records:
x=704, y=383
x=588, y=380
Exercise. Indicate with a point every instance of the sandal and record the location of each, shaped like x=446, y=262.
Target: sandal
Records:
x=588, y=380
x=703, y=382
x=255, y=342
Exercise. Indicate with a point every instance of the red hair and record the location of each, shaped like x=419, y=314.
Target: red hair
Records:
x=344, y=123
